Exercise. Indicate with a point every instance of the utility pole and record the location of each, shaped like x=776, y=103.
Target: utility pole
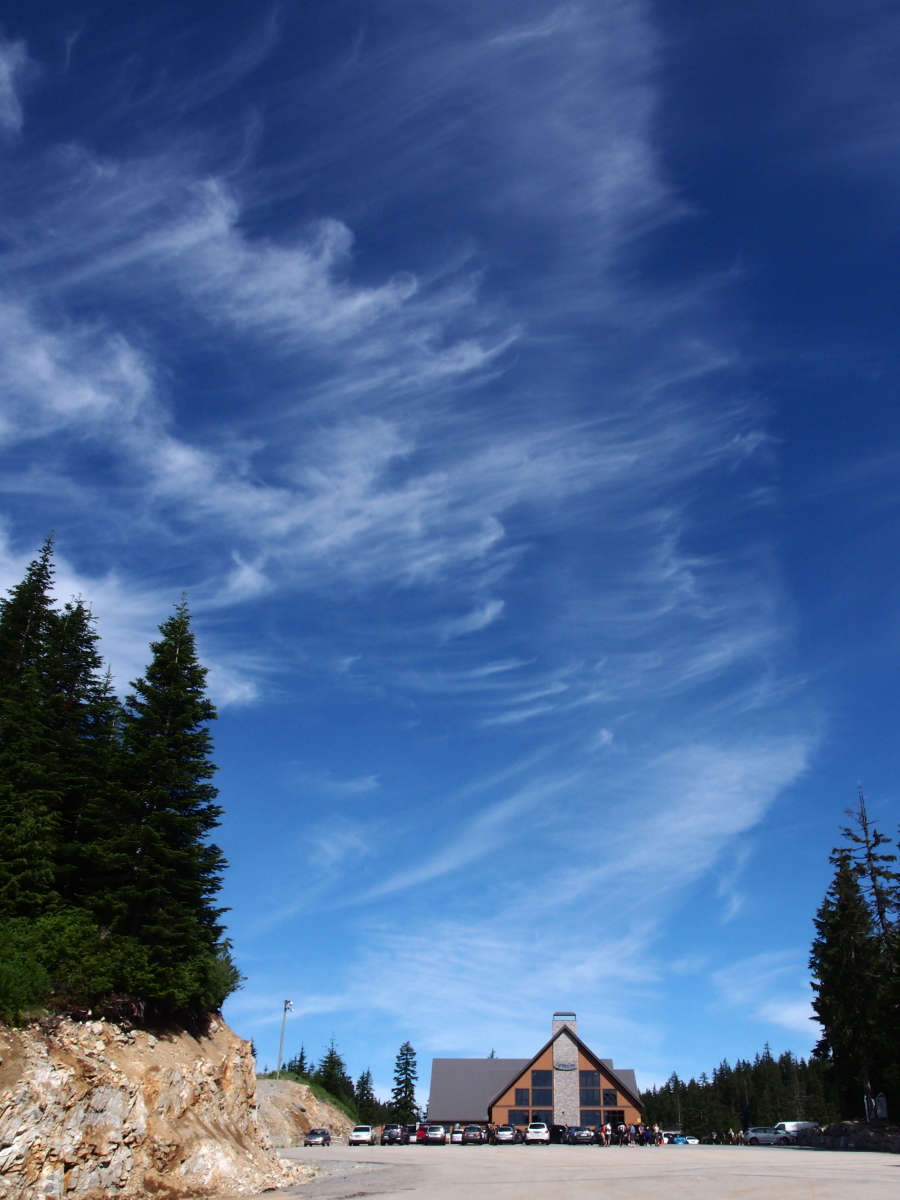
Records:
x=288, y=1007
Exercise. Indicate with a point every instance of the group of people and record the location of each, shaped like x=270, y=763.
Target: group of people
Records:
x=629, y=1135
x=727, y=1139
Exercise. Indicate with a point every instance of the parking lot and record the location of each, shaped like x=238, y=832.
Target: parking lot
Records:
x=584, y=1173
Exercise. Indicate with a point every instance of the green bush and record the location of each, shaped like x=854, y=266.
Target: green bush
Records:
x=24, y=983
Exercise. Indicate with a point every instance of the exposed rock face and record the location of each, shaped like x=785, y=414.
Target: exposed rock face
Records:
x=89, y=1111
x=288, y=1110
x=853, y=1135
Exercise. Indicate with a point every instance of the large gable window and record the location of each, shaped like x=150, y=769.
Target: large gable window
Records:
x=542, y=1089
x=589, y=1082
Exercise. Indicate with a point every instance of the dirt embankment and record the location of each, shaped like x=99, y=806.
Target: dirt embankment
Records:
x=289, y=1110
x=88, y=1110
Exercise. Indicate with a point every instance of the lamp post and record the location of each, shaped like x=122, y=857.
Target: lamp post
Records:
x=288, y=1007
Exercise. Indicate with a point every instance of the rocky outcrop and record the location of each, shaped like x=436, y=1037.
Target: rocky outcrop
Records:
x=853, y=1135
x=90, y=1110
x=289, y=1110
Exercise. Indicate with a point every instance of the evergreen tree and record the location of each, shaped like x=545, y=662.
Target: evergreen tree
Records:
x=298, y=1065
x=162, y=875
x=877, y=877
x=367, y=1107
x=85, y=720
x=403, y=1093
x=29, y=765
x=847, y=982
x=332, y=1074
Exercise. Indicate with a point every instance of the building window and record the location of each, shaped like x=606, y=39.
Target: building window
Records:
x=523, y=1097
x=518, y=1116
x=614, y=1117
x=610, y=1096
x=542, y=1079
x=542, y=1095
x=542, y=1114
x=590, y=1116
x=589, y=1082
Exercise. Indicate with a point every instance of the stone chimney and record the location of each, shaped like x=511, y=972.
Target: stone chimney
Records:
x=563, y=1019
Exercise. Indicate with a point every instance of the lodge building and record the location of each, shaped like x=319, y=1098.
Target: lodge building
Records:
x=565, y=1083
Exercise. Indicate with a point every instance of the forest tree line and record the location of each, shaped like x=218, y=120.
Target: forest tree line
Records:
x=108, y=880
x=761, y=1092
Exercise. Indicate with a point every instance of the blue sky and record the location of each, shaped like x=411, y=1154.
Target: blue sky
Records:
x=511, y=386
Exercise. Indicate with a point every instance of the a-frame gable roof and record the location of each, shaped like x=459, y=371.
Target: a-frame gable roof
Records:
x=604, y=1065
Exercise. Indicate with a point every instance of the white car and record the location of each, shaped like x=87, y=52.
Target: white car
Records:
x=362, y=1135
x=456, y=1135
x=766, y=1135
x=536, y=1134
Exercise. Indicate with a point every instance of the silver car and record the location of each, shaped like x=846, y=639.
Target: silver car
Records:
x=362, y=1135
x=766, y=1135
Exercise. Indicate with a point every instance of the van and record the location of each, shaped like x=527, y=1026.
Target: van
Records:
x=792, y=1128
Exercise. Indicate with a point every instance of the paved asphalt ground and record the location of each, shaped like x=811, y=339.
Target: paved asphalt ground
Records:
x=592, y=1173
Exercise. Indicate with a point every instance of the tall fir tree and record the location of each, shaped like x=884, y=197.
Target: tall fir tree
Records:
x=847, y=983
x=367, y=1107
x=29, y=761
x=877, y=875
x=333, y=1076
x=85, y=721
x=403, y=1093
x=162, y=874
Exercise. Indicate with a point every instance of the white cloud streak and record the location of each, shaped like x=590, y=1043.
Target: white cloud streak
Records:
x=13, y=64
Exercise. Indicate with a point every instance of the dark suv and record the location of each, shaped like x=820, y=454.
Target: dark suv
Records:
x=394, y=1135
x=473, y=1135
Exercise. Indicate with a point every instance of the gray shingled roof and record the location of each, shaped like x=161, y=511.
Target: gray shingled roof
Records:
x=462, y=1087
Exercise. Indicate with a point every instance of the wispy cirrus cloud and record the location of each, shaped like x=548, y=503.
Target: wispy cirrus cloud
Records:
x=451, y=480
x=14, y=62
x=771, y=988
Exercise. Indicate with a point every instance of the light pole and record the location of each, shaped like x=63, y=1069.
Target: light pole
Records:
x=288, y=1007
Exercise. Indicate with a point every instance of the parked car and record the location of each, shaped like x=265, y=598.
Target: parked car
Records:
x=474, y=1135
x=581, y=1135
x=317, y=1137
x=421, y=1133
x=537, y=1134
x=394, y=1135
x=410, y=1132
x=766, y=1135
x=559, y=1134
x=508, y=1135
x=790, y=1129
x=436, y=1135
x=361, y=1135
